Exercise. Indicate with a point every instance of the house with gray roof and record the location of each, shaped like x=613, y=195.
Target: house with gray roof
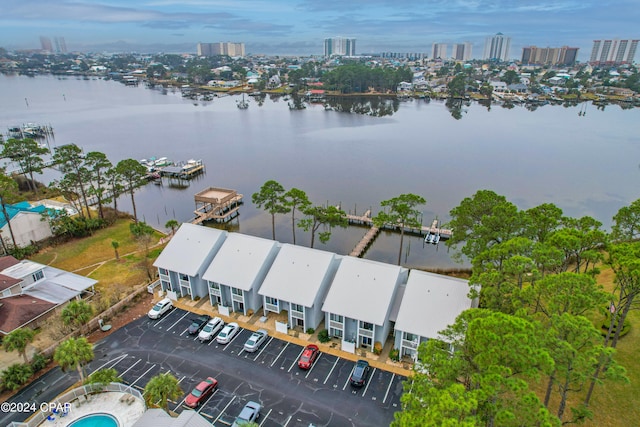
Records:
x=237, y=271
x=186, y=257
x=359, y=302
x=430, y=303
x=298, y=282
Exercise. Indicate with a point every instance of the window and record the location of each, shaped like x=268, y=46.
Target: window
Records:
x=270, y=300
x=236, y=291
x=163, y=271
x=184, y=277
x=410, y=337
x=335, y=332
x=336, y=318
x=37, y=275
x=214, y=285
x=366, y=325
x=297, y=307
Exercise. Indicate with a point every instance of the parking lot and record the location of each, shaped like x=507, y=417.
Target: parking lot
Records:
x=289, y=396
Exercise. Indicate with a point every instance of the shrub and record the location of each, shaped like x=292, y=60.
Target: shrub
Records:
x=310, y=331
x=377, y=347
x=394, y=354
x=16, y=375
x=38, y=362
x=323, y=336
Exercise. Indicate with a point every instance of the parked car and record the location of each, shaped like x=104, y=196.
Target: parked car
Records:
x=227, y=333
x=255, y=340
x=249, y=413
x=360, y=373
x=210, y=329
x=308, y=356
x=197, y=324
x=160, y=308
x=201, y=392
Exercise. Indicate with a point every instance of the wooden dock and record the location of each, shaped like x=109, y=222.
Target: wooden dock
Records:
x=216, y=204
x=367, y=220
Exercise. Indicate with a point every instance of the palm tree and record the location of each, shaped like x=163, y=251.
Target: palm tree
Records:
x=77, y=313
x=160, y=388
x=104, y=376
x=172, y=224
x=116, y=245
x=18, y=340
x=74, y=353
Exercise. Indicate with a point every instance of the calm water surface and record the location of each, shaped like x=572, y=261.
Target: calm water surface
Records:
x=585, y=165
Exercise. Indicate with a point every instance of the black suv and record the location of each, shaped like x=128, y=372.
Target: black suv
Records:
x=360, y=373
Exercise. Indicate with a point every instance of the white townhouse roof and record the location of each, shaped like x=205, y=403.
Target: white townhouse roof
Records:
x=297, y=274
x=363, y=290
x=189, y=248
x=239, y=260
x=431, y=302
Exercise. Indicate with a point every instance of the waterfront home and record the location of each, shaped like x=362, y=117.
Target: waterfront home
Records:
x=184, y=260
x=430, y=303
x=298, y=282
x=31, y=291
x=237, y=271
x=359, y=302
x=26, y=223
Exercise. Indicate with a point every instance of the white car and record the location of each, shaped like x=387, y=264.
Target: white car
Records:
x=227, y=333
x=255, y=340
x=160, y=308
x=210, y=329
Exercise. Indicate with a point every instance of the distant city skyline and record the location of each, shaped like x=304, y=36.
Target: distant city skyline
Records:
x=299, y=27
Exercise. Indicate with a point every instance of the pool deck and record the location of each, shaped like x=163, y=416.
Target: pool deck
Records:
x=107, y=403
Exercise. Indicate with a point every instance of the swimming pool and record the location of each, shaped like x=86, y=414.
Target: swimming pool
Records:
x=95, y=420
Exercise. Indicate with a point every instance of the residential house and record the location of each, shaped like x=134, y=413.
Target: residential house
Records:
x=298, y=282
x=30, y=291
x=358, y=305
x=430, y=303
x=27, y=224
x=237, y=270
x=184, y=260
x=498, y=86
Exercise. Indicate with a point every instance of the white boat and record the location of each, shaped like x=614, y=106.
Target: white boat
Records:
x=162, y=161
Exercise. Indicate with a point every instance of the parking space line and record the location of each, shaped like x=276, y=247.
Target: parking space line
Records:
x=187, y=328
x=388, y=388
x=349, y=377
x=115, y=361
x=207, y=401
x=314, y=365
x=153, y=366
x=224, y=409
x=180, y=380
x=265, y=418
x=295, y=361
x=138, y=361
x=332, y=368
x=369, y=382
x=166, y=316
x=233, y=339
x=286, y=423
x=263, y=347
x=181, y=402
x=177, y=321
x=279, y=354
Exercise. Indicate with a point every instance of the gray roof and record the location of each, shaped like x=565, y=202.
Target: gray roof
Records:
x=240, y=260
x=189, y=248
x=363, y=290
x=431, y=302
x=156, y=417
x=22, y=269
x=297, y=274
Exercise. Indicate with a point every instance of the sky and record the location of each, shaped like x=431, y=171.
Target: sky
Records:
x=298, y=27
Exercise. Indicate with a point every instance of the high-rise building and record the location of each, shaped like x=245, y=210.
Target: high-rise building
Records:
x=613, y=52
x=45, y=44
x=549, y=55
x=497, y=47
x=462, y=51
x=220, y=48
x=439, y=51
x=340, y=46
x=61, y=45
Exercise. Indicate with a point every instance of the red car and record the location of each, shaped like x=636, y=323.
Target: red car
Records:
x=201, y=392
x=308, y=356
